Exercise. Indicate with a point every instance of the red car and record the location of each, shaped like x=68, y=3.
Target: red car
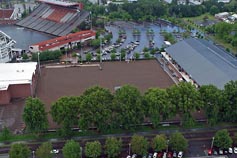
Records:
x=160, y=155
x=170, y=154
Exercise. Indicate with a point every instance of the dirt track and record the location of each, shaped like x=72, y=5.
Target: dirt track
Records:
x=57, y=82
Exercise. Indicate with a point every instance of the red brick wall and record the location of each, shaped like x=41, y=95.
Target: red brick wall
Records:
x=5, y=97
x=20, y=90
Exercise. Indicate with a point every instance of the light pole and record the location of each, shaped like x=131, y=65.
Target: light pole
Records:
x=100, y=53
x=129, y=148
x=39, y=64
x=33, y=153
x=213, y=138
x=167, y=146
x=81, y=151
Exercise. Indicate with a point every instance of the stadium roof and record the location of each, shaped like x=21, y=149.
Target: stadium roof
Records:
x=204, y=62
x=58, y=41
x=60, y=3
x=16, y=73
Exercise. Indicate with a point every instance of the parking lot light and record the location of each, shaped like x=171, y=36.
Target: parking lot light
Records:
x=213, y=138
x=167, y=146
x=129, y=148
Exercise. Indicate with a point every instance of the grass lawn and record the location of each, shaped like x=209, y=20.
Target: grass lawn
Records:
x=200, y=18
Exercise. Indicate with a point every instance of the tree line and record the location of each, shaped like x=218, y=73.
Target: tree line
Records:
x=112, y=147
x=149, y=10
x=127, y=108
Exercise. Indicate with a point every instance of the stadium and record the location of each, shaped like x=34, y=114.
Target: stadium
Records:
x=6, y=45
x=57, y=18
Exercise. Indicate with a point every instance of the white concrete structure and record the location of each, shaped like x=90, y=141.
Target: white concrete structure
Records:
x=16, y=73
x=6, y=45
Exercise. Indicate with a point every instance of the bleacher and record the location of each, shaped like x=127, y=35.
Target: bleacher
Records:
x=54, y=19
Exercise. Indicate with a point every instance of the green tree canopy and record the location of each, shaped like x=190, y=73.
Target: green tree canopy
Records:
x=5, y=134
x=139, y=145
x=211, y=97
x=223, y=139
x=71, y=149
x=88, y=57
x=93, y=149
x=19, y=150
x=65, y=112
x=34, y=115
x=159, y=143
x=177, y=142
x=186, y=99
x=113, y=147
x=157, y=105
x=129, y=108
x=44, y=150
x=113, y=56
x=96, y=109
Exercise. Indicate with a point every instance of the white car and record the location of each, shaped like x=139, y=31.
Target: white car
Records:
x=155, y=155
x=235, y=150
x=230, y=150
x=54, y=151
x=134, y=155
x=128, y=156
x=180, y=154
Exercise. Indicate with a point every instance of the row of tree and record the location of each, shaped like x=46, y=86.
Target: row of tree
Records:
x=112, y=147
x=149, y=10
x=127, y=108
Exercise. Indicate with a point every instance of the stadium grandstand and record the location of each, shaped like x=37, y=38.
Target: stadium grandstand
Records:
x=55, y=17
x=8, y=16
x=6, y=45
x=64, y=42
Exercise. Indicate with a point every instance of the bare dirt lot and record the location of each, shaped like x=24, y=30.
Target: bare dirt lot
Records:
x=57, y=82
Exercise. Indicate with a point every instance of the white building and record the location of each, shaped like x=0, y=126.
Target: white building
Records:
x=6, y=45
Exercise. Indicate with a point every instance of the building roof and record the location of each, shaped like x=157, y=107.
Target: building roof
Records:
x=60, y=3
x=16, y=73
x=6, y=13
x=55, y=42
x=204, y=62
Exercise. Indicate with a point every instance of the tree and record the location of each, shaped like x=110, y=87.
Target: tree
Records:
x=95, y=43
x=44, y=151
x=113, y=147
x=19, y=150
x=177, y=142
x=25, y=56
x=88, y=57
x=211, y=97
x=5, y=134
x=186, y=99
x=96, y=109
x=139, y=145
x=123, y=53
x=229, y=107
x=222, y=139
x=72, y=149
x=147, y=55
x=157, y=105
x=137, y=55
x=159, y=143
x=113, y=56
x=93, y=149
x=34, y=115
x=65, y=112
x=128, y=107
x=214, y=10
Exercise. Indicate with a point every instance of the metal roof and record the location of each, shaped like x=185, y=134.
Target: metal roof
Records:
x=204, y=62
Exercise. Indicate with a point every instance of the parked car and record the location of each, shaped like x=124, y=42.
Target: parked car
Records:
x=155, y=155
x=235, y=150
x=134, y=155
x=150, y=155
x=220, y=151
x=174, y=154
x=225, y=151
x=230, y=150
x=54, y=151
x=180, y=154
x=128, y=156
x=209, y=152
x=160, y=155
x=169, y=154
x=164, y=155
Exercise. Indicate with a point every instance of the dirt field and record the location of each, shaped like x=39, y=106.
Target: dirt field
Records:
x=57, y=82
